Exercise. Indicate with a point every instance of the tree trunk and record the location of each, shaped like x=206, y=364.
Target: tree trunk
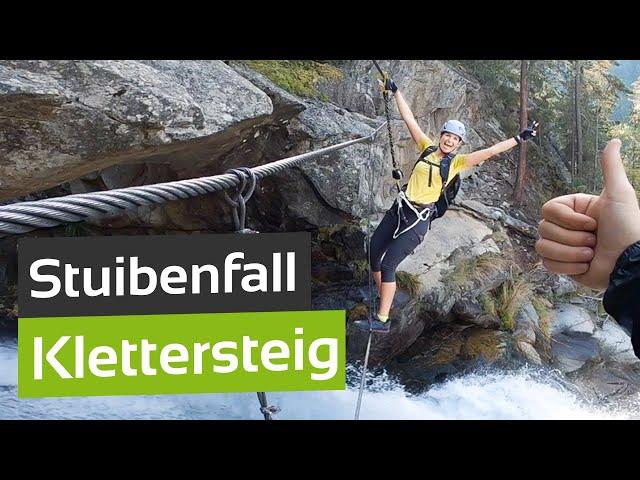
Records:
x=595, y=155
x=578, y=115
x=573, y=156
x=518, y=189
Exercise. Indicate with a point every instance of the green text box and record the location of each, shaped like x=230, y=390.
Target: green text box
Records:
x=315, y=341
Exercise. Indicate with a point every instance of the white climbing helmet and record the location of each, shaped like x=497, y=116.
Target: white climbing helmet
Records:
x=455, y=127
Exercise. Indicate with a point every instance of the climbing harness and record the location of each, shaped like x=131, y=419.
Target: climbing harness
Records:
x=421, y=215
x=450, y=187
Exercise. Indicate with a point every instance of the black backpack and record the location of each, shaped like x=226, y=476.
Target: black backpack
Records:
x=450, y=190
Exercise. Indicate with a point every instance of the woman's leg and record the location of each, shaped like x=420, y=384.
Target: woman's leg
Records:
x=387, y=292
x=399, y=249
x=377, y=277
x=380, y=241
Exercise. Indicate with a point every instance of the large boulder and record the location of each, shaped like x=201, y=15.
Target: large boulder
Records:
x=353, y=180
x=572, y=353
x=64, y=119
x=454, y=238
x=571, y=320
x=615, y=343
x=406, y=327
x=453, y=231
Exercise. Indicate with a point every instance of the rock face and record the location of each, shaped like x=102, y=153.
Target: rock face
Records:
x=526, y=324
x=572, y=320
x=137, y=122
x=65, y=119
x=434, y=90
x=573, y=345
x=615, y=343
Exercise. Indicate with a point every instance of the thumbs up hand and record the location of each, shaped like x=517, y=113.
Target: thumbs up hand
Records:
x=583, y=235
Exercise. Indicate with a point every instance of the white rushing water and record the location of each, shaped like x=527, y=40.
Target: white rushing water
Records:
x=523, y=394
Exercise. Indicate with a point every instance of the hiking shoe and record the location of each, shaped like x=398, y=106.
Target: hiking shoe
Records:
x=373, y=325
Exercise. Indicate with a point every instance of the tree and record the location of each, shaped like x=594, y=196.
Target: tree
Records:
x=578, y=117
x=629, y=133
x=567, y=98
x=518, y=190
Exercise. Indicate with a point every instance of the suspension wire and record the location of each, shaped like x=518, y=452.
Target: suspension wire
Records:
x=24, y=217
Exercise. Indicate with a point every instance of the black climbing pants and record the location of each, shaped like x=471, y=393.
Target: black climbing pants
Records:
x=387, y=252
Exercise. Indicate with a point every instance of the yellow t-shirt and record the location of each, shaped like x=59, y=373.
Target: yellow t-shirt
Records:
x=418, y=189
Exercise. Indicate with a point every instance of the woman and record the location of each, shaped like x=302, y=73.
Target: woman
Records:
x=407, y=222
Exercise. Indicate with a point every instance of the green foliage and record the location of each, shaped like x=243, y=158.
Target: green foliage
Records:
x=629, y=133
x=488, y=303
x=503, y=303
x=551, y=102
x=509, y=298
x=361, y=270
x=476, y=269
x=544, y=314
x=300, y=77
x=408, y=282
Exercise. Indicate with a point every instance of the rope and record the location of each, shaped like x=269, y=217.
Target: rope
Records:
x=26, y=216
x=371, y=308
x=397, y=173
x=364, y=376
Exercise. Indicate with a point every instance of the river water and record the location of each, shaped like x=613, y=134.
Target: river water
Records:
x=521, y=394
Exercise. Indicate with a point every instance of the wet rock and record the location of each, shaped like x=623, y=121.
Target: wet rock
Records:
x=526, y=324
x=571, y=319
x=487, y=321
x=434, y=356
x=611, y=382
x=615, y=343
x=470, y=311
x=331, y=273
x=467, y=309
x=572, y=353
x=529, y=352
x=489, y=346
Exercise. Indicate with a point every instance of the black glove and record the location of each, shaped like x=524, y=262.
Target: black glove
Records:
x=528, y=133
x=389, y=84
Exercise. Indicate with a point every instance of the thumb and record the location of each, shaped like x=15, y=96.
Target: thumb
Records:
x=615, y=178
